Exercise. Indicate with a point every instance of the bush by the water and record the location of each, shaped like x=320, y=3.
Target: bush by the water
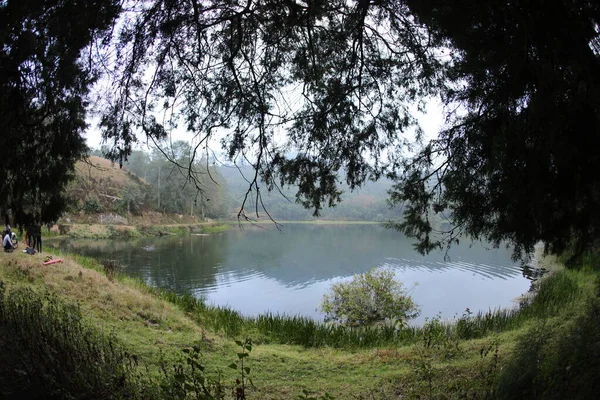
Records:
x=369, y=298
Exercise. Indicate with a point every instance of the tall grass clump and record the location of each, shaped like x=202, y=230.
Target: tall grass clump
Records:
x=553, y=295
x=224, y=319
x=557, y=359
x=47, y=350
x=307, y=332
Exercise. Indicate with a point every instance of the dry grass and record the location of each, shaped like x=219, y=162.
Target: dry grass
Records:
x=98, y=169
x=116, y=307
x=89, y=231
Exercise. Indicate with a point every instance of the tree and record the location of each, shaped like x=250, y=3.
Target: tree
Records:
x=44, y=79
x=175, y=180
x=517, y=161
x=521, y=162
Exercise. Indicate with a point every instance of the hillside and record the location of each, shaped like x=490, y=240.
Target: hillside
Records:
x=101, y=192
x=149, y=183
x=101, y=185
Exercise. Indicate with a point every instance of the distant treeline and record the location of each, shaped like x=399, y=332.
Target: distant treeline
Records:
x=172, y=190
x=369, y=203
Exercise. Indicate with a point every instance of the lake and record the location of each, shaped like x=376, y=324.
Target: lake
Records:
x=256, y=270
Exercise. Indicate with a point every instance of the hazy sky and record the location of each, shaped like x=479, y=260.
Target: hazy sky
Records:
x=431, y=122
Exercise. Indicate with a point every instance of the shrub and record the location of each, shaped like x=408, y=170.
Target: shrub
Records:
x=369, y=298
x=92, y=206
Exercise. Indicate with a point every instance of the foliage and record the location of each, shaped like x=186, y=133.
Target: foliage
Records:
x=132, y=199
x=369, y=298
x=46, y=349
x=352, y=83
x=44, y=82
x=556, y=361
x=192, y=377
x=111, y=268
x=92, y=206
x=519, y=80
x=519, y=164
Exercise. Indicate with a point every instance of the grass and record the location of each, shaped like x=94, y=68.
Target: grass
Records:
x=308, y=222
x=102, y=231
x=294, y=353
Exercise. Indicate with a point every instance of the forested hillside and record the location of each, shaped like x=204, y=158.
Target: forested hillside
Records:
x=149, y=181
x=157, y=181
x=172, y=189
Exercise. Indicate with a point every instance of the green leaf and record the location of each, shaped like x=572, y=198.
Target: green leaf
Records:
x=189, y=387
x=233, y=365
x=242, y=355
x=247, y=370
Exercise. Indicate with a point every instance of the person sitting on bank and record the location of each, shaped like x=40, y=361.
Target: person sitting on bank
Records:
x=7, y=243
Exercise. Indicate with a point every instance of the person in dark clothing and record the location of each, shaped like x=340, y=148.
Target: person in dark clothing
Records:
x=31, y=236
x=38, y=238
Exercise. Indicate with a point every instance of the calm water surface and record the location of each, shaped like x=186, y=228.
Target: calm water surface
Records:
x=259, y=270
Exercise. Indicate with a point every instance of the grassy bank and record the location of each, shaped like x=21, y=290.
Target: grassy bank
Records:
x=103, y=231
x=108, y=231
x=140, y=341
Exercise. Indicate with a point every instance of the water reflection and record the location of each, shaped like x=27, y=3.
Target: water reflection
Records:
x=256, y=270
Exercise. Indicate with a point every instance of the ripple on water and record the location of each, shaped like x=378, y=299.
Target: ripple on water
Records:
x=488, y=271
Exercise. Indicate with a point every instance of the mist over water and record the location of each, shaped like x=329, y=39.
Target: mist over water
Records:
x=258, y=270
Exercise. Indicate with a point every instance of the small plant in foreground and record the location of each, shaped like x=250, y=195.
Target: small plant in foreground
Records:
x=240, y=387
x=54, y=353
x=369, y=298
x=438, y=343
x=111, y=268
x=191, y=378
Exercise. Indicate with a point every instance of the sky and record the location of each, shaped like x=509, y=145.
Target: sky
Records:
x=431, y=122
